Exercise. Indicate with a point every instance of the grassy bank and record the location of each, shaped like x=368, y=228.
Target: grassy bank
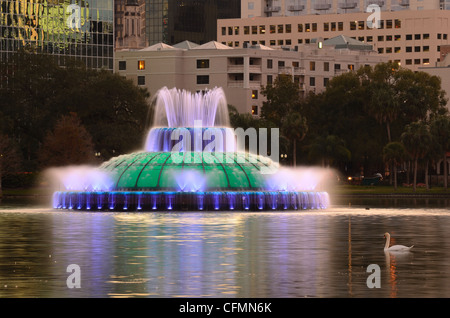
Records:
x=386, y=190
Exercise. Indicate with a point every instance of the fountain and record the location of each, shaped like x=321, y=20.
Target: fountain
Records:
x=191, y=162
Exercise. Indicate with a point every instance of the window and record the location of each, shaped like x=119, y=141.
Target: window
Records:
x=262, y=29
x=312, y=66
x=251, y=5
x=397, y=37
x=288, y=28
x=272, y=28
x=426, y=36
x=409, y=37
x=439, y=36
x=417, y=49
x=388, y=50
x=388, y=24
x=340, y=26
x=314, y=27
x=202, y=63
x=246, y=29
x=236, y=30
x=325, y=81
x=269, y=79
x=280, y=63
x=141, y=80
x=426, y=61
x=408, y=62
x=122, y=65
x=352, y=25
x=426, y=48
x=416, y=61
x=230, y=30
x=254, y=94
x=351, y=67
x=307, y=27
x=337, y=67
x=236, y=43
x=361, y=25
x=380, y=38
x=388, y=37
x=369, y=39
x=280, y=28
x=333, y=26
x=397, y=49
x=141, y=65
x=417, y=36
x=408, y=49
x=326, y=66
x=280, y=42
x=254, y=110
x=269, y=63
x=254, y=29
x=398, y=23
x=380, y=50
x=202, y=79
x=288, y=42
x=312, y=81
x=445, y=36
x=224, y=30
x=300, y=28
x=300, y=41
x=272, y=42
x=326, y=26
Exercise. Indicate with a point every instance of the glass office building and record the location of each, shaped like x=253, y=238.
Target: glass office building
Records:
x=173, y=21
x=81, y=29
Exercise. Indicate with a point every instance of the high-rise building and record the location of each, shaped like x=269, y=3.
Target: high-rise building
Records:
x=274, y=8
x=129, y=20
x=411, y=37
x=80, y=29
x=173, y=21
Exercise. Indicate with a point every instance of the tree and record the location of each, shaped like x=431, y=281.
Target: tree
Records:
x=440, y=129
x=329, y=150
x=394, y=154
x=9, y=158
x=295, y=128
x=68, y=144
x=383, y=103
x=416, y=139
x=281, y=98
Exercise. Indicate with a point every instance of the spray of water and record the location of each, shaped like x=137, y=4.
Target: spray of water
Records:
x=79, y=178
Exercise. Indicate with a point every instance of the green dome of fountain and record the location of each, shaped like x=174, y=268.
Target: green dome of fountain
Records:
x=167, y=171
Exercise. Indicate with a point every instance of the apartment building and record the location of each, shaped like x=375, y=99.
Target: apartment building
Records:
x=273, y=8
x=241, y=72
x=412, y=38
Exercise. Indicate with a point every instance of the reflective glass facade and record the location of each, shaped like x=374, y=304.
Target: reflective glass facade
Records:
x=81, y=29
x=173, y=21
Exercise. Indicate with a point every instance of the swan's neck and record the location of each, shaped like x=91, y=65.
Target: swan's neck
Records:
x=388, y=239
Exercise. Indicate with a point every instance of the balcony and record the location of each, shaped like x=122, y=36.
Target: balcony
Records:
x=350, y=4
x=235, y=68
x=297, y=7
x=272, y=9
x=379, y=3
x=235, y=84
x=322, y=6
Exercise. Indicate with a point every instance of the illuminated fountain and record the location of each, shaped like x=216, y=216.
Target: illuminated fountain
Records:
x=191, y=162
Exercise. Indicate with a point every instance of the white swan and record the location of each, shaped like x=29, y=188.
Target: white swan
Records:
x=395, y=248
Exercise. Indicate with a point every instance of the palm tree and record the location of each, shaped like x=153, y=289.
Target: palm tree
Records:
x=394, y=154
x=416, y=138
x=440, y=128
x=295, y=128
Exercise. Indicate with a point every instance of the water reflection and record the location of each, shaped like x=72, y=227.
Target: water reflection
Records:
x=291, y=254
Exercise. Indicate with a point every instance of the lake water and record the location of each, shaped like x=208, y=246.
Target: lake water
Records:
x=239, y=255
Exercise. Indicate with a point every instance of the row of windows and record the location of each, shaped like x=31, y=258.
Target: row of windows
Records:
x=308, y=27
x=203, y=63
